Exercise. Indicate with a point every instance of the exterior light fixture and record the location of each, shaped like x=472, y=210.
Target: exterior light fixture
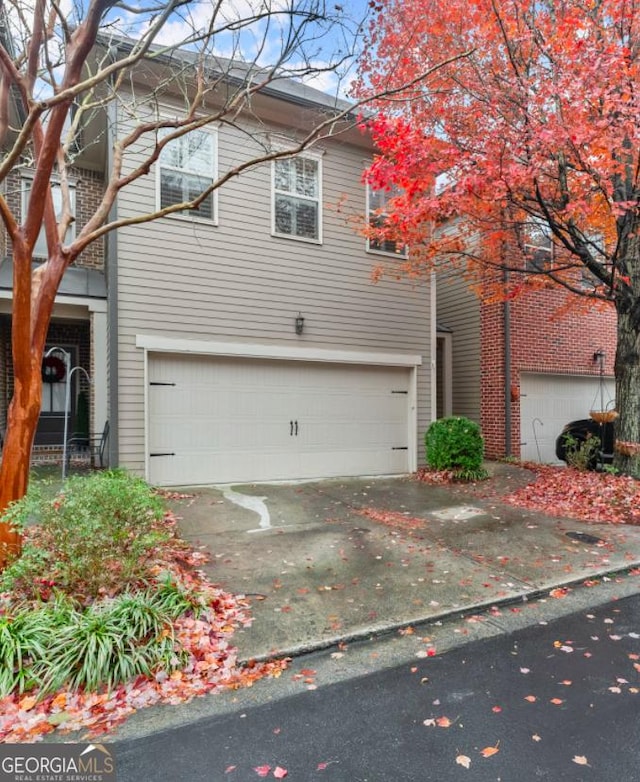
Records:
x=299, y=324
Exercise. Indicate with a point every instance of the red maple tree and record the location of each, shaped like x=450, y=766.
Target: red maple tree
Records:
x=518, y=165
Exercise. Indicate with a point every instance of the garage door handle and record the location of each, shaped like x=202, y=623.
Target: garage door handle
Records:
x=290, y=428
x=296, y=428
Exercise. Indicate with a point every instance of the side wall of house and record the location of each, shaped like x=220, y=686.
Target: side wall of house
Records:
x=234, y=281
x=458, y=309
x=544, y=339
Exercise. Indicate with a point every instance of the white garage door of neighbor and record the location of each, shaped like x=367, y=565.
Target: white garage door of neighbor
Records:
x=226, y=420
x=547, y=403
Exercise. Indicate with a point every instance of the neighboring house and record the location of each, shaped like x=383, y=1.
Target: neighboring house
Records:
x=246, y=341
x=521, y=369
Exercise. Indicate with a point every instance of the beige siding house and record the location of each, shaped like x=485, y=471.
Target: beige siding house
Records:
x=459, y=347
x=251, y=342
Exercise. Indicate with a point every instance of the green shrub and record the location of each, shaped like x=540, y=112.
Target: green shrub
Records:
x=455, y=444
x=95, y=537
x=582, y=455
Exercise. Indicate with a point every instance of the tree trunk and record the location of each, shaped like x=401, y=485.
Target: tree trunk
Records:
x=22, y=421
x=627, y=370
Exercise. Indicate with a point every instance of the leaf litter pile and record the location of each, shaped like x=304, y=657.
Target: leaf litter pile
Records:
x=600, y=498
x=589, y=496
x=212, y=665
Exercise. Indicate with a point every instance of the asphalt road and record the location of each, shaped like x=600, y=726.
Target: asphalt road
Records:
x=556, y=701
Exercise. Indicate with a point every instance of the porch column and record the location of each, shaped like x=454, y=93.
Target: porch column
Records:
x=99, y=369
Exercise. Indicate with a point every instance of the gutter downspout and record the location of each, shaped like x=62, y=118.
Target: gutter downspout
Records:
x=112, y=299
x=433, y=347
x=507, y=372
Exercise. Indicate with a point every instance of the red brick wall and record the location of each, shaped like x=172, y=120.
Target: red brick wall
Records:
x=61, y=333
x=542, y=340
x=89, y=189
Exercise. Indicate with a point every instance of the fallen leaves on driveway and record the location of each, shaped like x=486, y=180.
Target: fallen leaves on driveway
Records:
x=392, y=518
x=589, y=496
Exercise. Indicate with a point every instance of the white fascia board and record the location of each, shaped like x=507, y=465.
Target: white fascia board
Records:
x=151, y=342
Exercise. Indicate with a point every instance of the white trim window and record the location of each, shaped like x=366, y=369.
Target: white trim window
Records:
x=596, y=245
x=40, y=249
x=538, y=246
x=377, y=201
x=187, y=167
x=297, y=198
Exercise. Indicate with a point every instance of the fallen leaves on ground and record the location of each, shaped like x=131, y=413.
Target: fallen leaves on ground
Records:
x=212, y=665
x=392, y=518
x=555, y=491
x=463, y=760
x=589, y=496
x=440, y=722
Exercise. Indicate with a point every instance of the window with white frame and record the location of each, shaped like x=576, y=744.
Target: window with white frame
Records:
x=538, y=246
x=187, y=167
x=377, y=200
x=40, y=249
x=595, y=243
x=297, y=192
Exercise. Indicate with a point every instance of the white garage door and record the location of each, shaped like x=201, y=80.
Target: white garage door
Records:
x=220, y=420
x=547, y=403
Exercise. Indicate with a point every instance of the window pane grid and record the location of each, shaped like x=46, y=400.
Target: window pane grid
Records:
x=538, y=246
x=40, y=249
x=182, y=163
x=377, y=201
x=296, y=198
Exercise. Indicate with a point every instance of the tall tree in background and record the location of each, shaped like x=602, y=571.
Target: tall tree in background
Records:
x=535, y=133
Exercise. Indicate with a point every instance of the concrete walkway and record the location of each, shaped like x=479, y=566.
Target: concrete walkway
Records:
x=340, y=560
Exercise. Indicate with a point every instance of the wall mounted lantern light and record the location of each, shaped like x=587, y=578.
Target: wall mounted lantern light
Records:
x=299, y=324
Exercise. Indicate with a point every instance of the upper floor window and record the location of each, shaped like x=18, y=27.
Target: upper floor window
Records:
x=538, y=246
x=187, y=168
x=40, y=249
x=297, y=190
x=377, y=201
x=596, y=246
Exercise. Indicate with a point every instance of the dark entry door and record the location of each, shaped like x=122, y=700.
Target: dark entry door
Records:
x=50, y=429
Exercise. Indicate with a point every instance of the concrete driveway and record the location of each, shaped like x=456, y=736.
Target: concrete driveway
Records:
x=337, y=560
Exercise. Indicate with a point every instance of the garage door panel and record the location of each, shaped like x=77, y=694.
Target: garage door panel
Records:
x=548, y=402
x=230, y=420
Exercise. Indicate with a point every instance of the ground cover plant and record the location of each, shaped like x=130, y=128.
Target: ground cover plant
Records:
x=107, y=612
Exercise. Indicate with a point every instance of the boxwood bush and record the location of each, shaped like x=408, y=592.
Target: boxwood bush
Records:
x=455, y=444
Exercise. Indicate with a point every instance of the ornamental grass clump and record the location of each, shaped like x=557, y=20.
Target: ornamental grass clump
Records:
x=456, y=445
x=58, y=644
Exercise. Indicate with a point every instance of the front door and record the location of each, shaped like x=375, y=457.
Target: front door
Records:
x=55, y=369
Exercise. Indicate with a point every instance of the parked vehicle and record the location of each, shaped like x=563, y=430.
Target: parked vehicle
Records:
x=580, y=431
